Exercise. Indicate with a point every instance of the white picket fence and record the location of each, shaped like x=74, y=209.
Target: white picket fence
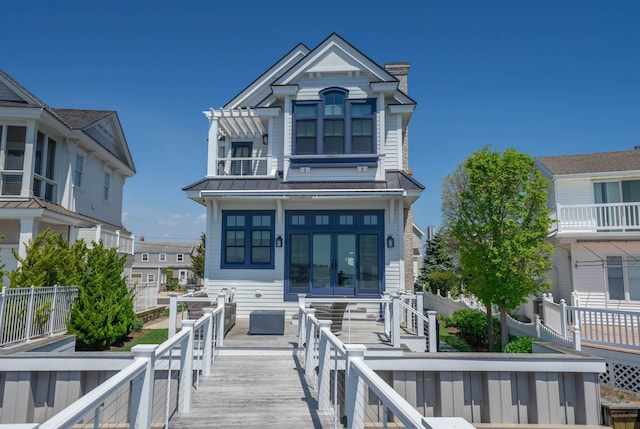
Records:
x=27, y=313
x=145, y=296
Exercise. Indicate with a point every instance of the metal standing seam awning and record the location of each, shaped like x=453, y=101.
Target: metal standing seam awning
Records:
x=239, y=123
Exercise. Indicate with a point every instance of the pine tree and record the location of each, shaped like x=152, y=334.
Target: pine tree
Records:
x=103, y=314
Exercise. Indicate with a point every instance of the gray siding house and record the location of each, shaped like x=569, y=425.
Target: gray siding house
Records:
x=153, y=259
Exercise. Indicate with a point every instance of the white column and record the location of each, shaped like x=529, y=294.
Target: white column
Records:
x=144, y=407
x=212, y=146
x=395, y=321
x=173, y=314
x=324, y=373
x=186, y=370
x=28, y=230
x=354, y=388
x=208, y=343
x=28, y=163
x=220, y=325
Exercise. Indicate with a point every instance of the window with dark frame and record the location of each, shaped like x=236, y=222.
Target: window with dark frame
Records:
x=248, y=239
x=334, y=125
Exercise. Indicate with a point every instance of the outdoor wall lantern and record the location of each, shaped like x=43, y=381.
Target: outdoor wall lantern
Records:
x=265, y=139
x=279, y=241
x=390, y=242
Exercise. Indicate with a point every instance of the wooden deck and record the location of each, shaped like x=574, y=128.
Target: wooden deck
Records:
x=258, y=381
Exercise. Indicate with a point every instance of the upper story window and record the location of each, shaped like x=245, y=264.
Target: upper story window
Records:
x=180, y=257
x=13, y=144
x=625, y=191
x=334, y=125
x=163, y=257
x=78, y=171
x=107, y=182
x=247, y=239
x=145, y=257
x=44, y=185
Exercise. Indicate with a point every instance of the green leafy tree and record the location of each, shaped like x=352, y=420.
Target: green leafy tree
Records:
x=197, y=257
x=103, y=313
x=495, y=206
x=48, y=261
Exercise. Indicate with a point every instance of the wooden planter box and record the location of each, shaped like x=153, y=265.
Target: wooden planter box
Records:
x=621, y=415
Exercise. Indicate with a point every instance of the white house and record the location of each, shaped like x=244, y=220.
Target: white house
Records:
x=595, y=200
x=308, y=189
x=62, y=169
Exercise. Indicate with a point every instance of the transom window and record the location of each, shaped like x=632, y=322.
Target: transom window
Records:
x=334, y=125
x=247, y=239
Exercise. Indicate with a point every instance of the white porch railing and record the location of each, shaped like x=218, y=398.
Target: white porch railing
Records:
x=145, y=296
x=143, y=393
x=244, y=166
x=615, y=328
x=611, y=217
x=345, y=395
x=415, y=322
x=27, y=313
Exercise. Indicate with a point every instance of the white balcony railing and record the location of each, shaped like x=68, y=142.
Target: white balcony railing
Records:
x=612, y=217
x=244, y=166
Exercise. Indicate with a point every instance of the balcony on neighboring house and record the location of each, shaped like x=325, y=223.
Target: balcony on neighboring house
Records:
x=598, y=218
x=120, y=240
x=245, y=166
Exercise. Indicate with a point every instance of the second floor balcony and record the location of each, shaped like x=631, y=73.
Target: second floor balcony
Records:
x=598, y=218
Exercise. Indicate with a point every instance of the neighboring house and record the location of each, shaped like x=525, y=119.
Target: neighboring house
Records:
x=152, y=259
x=308, y=189
x=595, y=200
x=62, y=169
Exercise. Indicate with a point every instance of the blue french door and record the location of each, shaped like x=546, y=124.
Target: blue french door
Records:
x=334, y=254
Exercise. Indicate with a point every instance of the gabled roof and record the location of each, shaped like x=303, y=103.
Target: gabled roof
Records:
x=601, y=162
x=12, y=94
x=332, y=54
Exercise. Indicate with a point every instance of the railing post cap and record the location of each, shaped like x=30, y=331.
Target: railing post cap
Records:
x=355, y=349
x=432, y=312
x=325, y=323
x=188, y=323
x=311, y=311
x=144, y=350
x=208, y=310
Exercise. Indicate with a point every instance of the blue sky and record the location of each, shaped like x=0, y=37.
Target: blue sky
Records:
x=546, y=77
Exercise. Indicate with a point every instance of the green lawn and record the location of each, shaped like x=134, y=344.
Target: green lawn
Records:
x=150, y=336
x=454, y=340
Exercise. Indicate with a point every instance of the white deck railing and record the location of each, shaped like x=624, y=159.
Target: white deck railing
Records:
x=139, y=394
x=244, y=166
x=617, y=328
x=328, y=354
x=27, y=313
x=611, y=217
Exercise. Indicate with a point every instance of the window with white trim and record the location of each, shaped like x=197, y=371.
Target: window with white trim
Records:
x=44, y=185
x=163, y=257
x=78, y=171
x=13, y=140
x=151, y=278
x=145, y=257
x=623, y=278
x=107, y=183
x=180, y=257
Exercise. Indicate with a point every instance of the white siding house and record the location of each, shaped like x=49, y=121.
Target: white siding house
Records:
x=595, y=199
x=307, y=188
x=62, y=169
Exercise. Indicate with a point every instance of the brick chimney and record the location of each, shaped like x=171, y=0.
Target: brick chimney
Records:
x=401, y=72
